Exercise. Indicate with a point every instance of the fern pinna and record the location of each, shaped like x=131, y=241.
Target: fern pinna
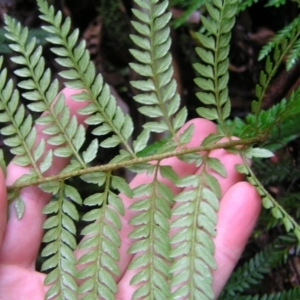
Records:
x=171, y=248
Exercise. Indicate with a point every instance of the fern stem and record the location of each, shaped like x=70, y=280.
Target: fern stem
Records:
x=114, y=166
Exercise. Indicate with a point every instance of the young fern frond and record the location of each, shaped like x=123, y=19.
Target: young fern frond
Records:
x=160, y=98
x=279, y=121
x=214, y=55
x=270, y=70
x=194, y=226
x=61, y=242
x=285, y=33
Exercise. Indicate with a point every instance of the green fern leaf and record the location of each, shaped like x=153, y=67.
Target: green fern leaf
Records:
x=152, y=235
x=61, y=243
x=195, y=221
x=160, y=98
x=81, y=75
x=214, y=69
x=102, y=242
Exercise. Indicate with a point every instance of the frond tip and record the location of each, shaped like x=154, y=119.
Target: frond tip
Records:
x=159, y=99
x=213, y=68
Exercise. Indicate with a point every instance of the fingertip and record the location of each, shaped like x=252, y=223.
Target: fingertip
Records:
x=202, y=128
x=202, y=125
x=238, y=213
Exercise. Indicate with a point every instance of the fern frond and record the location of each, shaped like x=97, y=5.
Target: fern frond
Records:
x=195, y=222
x=270, y=173
x=61, y=242
x=37, y=33
x=81, y=74
x=20, y=137
x=278, y=123
x=100, y=262
x=285, y=33
x=63, y=130
x=19, y=129
x=283, y=47
x=160, y=98
x=252, y=272
x=214, y=56
x=152, y=247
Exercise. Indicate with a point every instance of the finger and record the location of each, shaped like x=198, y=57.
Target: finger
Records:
x=22, y=238
x=3, y=206
x=239, y=210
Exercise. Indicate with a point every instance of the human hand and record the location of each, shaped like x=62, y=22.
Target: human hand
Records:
x=20, y=239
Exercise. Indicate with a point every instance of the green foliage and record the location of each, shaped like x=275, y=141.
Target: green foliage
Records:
x=214, y=58
x=37, y=33
x=172, y=235
x=289, y=32
x=252, y=272
x=154, y=63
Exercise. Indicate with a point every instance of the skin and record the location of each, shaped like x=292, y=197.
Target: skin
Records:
x=20, y=239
